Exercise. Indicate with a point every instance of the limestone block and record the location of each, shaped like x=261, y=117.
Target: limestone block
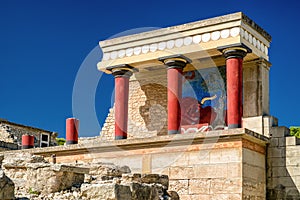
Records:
x=7, y=187
x=280, y=131
x=180, y=186
x=292, y=151
x=293, y=170
x=199, y=186
x=274, y=142
x=279, y=152
x=279, y=172
x=199, y=157
x=277, y=162
x=210, y=171
x=253, y=123
x=254, y=158
x=45, y=179
x=290, y=141
x=180, y=173
x=144, y=191
x=108, y=169
x=157, y=179
x=228, y=186
x=225, y=155
x=234, y=170
x=293, y=160
x=106, y=191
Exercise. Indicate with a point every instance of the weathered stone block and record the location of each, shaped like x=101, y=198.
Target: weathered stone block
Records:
x=157, y=179
x=225, y=155
x=199, y=186
x=7, y=187
x=180, y=186
x=180, y=172
x=106, y=191
x=290, y=141
x=108, y=169
x=210, y=171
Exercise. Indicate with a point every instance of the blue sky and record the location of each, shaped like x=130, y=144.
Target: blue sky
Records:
x=44, y=43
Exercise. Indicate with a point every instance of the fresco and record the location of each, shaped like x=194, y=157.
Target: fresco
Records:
x=204, y=97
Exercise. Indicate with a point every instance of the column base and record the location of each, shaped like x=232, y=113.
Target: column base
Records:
x=27, y=146
x=71, y=142
x=172, y=132
x=231, y=126
x=120, y=137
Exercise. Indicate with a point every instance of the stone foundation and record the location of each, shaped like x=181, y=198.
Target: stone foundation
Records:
x=211, y=165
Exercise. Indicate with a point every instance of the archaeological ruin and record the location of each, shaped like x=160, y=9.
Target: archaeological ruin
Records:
x=191, y=120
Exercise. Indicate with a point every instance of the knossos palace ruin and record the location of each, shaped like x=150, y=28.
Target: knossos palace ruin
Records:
x=192, y=102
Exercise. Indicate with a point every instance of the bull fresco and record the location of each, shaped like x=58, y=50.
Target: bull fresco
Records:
x=204, y=97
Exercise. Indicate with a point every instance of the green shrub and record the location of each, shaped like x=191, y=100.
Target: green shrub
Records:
x=60, y=141
x=295, y=131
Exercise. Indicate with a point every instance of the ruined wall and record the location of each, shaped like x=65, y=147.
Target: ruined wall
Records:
x=283, y=172
x=213, y=165
x=147, y=110
x=12, y=133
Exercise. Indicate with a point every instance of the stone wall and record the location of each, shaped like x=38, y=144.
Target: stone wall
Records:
x=283, y=172
x=147, y=109
x=32, y=177
x=12, y=133
x=212, y=165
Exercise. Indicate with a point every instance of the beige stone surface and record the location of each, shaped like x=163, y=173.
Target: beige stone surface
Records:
x=180, y=186
x=197, y=164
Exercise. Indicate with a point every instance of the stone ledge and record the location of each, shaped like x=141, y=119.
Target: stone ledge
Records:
x=158, y=141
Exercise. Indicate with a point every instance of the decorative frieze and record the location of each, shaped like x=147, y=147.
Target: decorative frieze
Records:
x=186, y=41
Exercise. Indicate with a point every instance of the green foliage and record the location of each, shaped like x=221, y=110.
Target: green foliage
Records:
x=31, y=191
x=295, y=131
x=60, y=141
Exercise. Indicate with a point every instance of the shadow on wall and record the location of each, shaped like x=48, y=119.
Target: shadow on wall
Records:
x=283, y=166
x=154, y=112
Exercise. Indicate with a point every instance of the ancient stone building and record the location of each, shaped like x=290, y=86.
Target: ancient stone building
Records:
x=192, y=102
x=11, y=135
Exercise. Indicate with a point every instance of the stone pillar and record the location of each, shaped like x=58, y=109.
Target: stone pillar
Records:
x=175, y=65
x=234, y=71
x=72, y=126
x=122, y=74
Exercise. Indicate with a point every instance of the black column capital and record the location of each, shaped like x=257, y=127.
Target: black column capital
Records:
x=123, y=70
x=235, y=51
x=175, y=61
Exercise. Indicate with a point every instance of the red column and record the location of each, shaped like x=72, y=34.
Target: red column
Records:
x=122, y=74
x=72, y=127
x=121, y=106
x=27, y=141
x=175, y=65
x=234, y=71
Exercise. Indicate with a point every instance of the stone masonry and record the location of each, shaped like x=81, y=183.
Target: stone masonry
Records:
x=147, y=110
x=11, y=133
x=35, y=178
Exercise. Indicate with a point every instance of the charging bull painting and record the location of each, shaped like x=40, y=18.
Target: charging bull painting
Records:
x=204, y=98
